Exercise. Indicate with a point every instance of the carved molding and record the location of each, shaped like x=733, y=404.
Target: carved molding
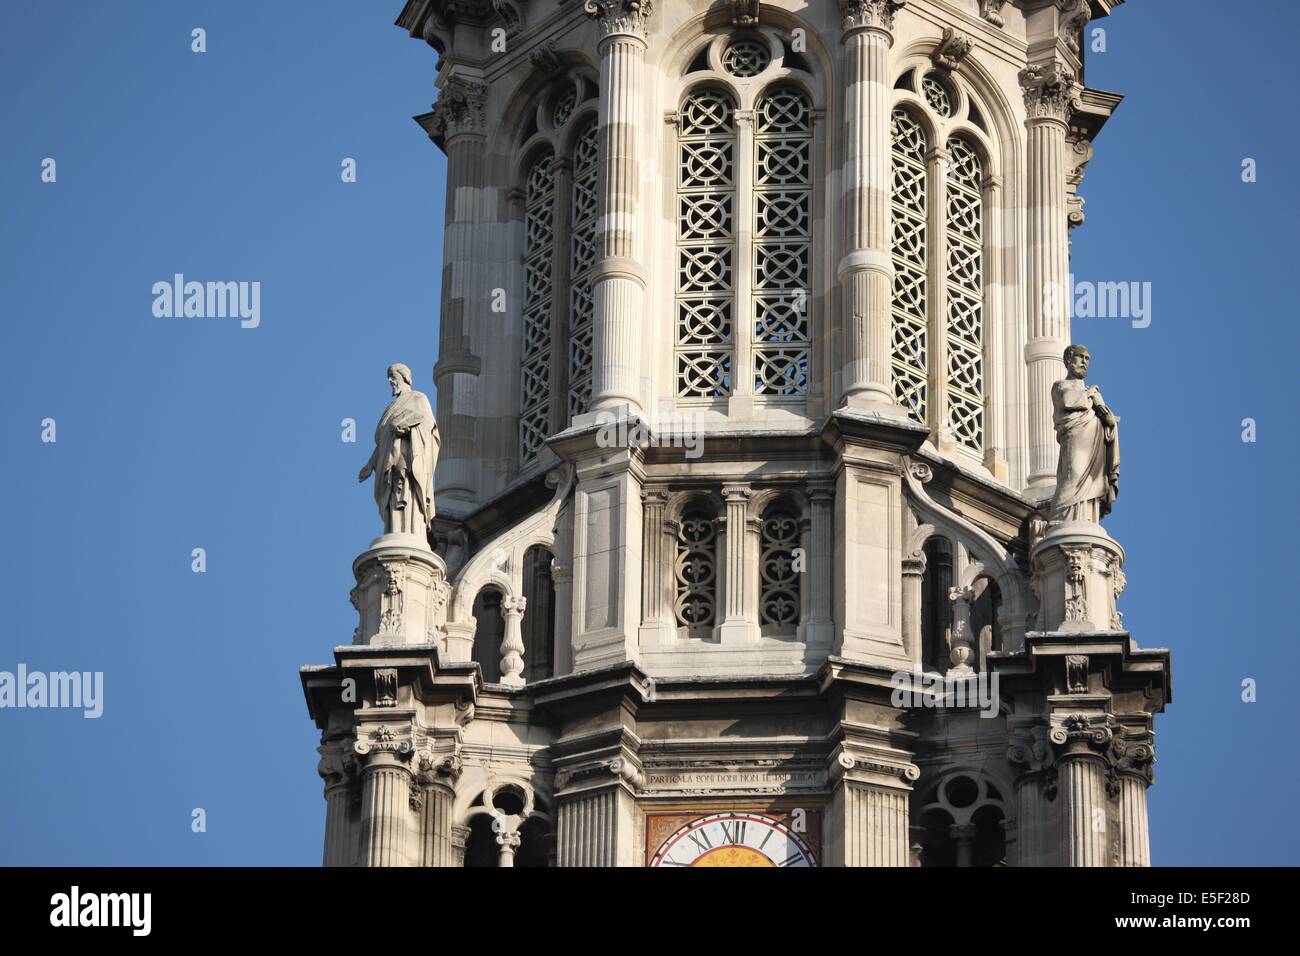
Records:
x=1076, y=673
x=952, y=49
x=386, y=687
x=745, y=13
x=511, y=12
x=384, y=740
x=546, y=59
x=991, y=10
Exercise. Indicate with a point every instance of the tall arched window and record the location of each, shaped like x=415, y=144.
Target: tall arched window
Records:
x=582, y=258
x=911, y=329
x=559, y=197
x=744, y=207
x=782, y=190
x=539, y=264
x=706, y=195
x=939, y=335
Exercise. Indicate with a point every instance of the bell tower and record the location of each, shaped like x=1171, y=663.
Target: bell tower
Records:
x=768, y=515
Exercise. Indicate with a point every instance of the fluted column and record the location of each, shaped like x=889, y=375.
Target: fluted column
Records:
x=512, y=644
x=866, y=272
x=457, y=124
x=385, y=798
x=1083, y=759
x=1050, y=94
x=435, y=826
x=433, y=796
x=870, y=823
x=597, y=814
x=739, y=623
x=819, y=555
x=1030, y=757
x=1135, y=777
x=656, y=563
x=338, y=769
x=619, y=278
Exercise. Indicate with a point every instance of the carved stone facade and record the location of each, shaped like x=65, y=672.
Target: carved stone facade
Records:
x=744, y=390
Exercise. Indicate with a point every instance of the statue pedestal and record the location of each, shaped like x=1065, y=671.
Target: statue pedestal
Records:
x=1078, y=573
x=402, y=592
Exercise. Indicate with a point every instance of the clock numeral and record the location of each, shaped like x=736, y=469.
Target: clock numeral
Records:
x=733, y=831
x=766, y=838
x=701, y=840
x=793, y=858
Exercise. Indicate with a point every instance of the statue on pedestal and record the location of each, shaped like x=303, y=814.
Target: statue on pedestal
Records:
x=406, y=450
x=1087, y=473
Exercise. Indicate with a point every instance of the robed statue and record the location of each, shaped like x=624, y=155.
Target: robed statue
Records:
x=406, y=450
x=1087, y=473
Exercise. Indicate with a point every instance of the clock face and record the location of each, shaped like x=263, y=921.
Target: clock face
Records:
x=734, y=839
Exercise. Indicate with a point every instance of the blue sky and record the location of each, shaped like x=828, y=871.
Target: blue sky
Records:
x=174, y=435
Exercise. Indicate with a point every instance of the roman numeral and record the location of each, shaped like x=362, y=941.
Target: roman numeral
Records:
x=735, y=832
x=701, y=840
x=793, y=859
x=766, y=838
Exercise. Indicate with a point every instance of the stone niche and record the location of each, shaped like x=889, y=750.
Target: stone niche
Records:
x=1078, y=575
x=401, y=594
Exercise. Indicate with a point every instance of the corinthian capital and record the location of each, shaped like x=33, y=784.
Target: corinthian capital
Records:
x=860, y=14
x=460, y=108
x=1051, y=91
x=621, y=17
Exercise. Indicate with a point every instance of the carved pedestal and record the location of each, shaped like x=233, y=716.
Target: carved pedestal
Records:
x=1078, y=576
x=401, y=593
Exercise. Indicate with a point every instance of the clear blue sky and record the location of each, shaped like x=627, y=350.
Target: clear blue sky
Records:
x=174, y=435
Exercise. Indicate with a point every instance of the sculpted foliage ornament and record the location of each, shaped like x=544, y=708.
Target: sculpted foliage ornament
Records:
x=859, y=14
x=1051, y=91
x=621, y=17
x=460, y=108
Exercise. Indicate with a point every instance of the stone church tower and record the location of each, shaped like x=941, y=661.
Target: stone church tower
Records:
x=751, y=314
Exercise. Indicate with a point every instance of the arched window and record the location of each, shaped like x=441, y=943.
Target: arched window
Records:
x=962, y=816
x=695, y=572
x=538, y=623
x=489, y=631
x=539, y=264
x=782, y=191
x=559, y=198
x=939, y=335
x=936, y=606
x=744, y=208
x=706, y=195
x=582, y=258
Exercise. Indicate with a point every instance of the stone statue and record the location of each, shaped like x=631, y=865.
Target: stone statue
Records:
x=406, y=450
x=1087, y=473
